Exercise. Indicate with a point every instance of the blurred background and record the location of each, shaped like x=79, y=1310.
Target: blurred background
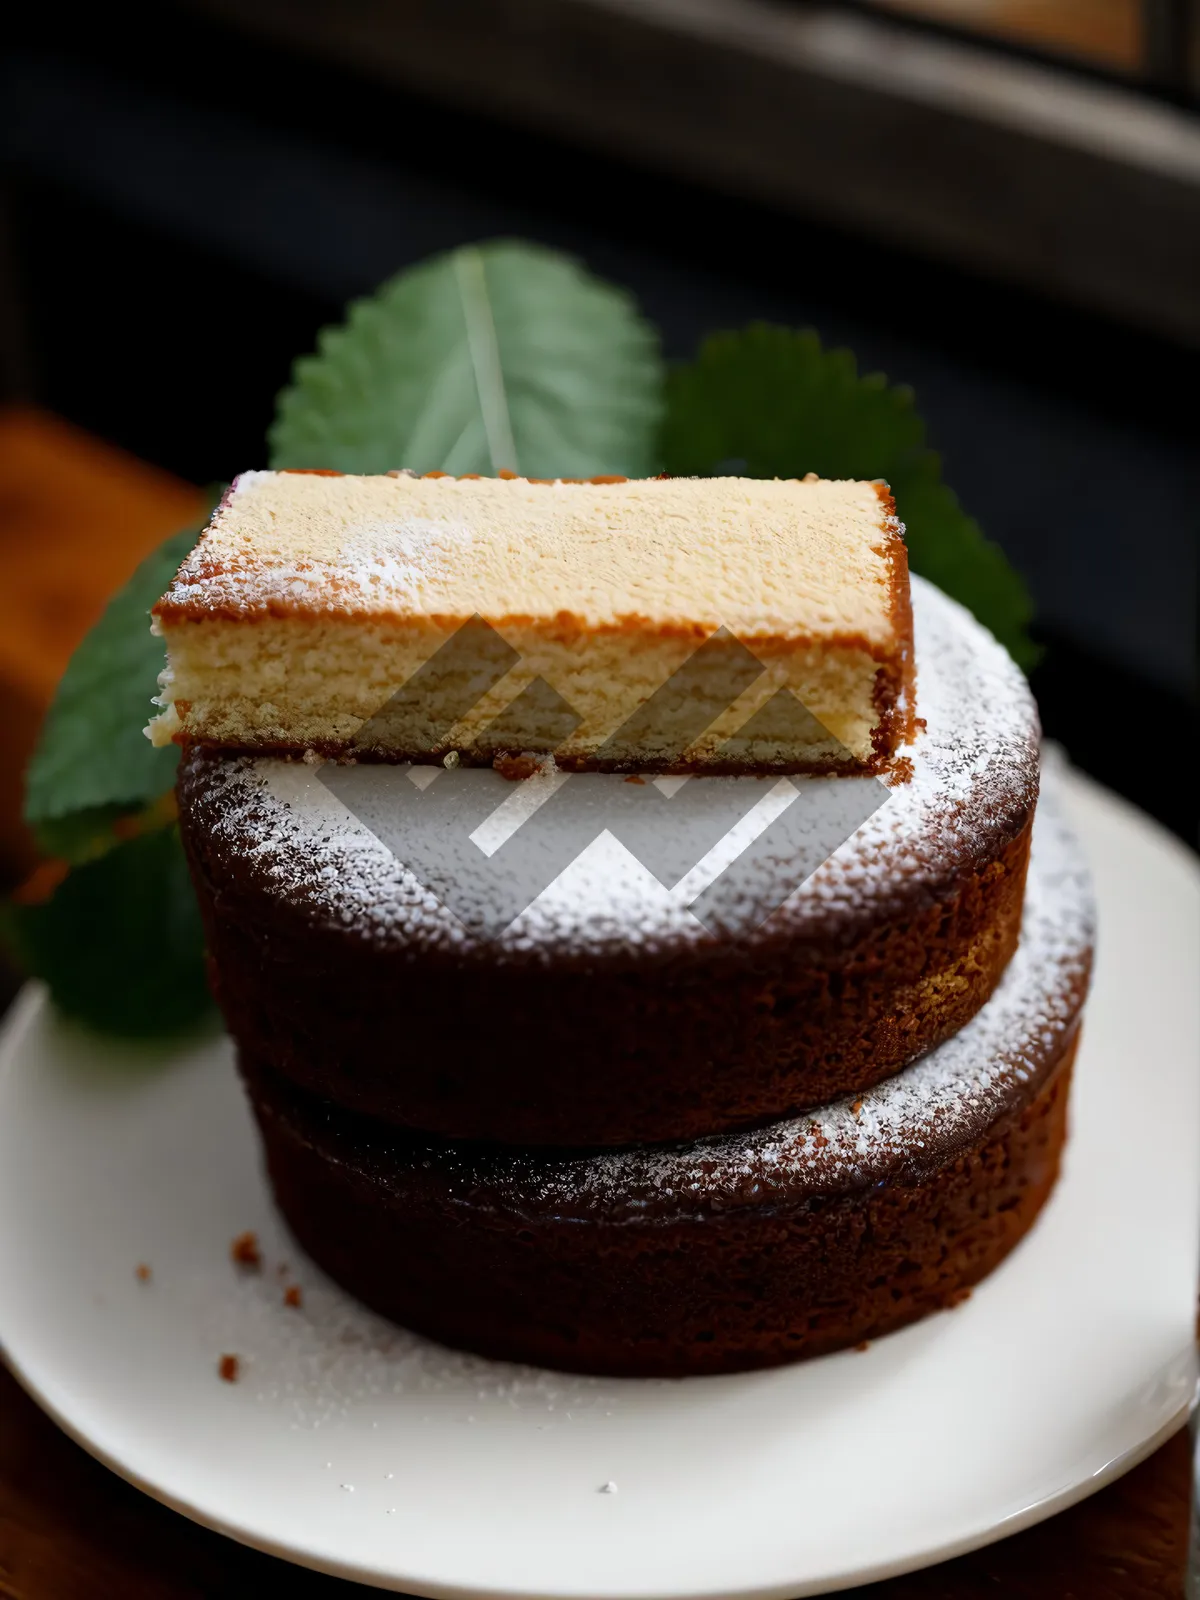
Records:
x=995, y=201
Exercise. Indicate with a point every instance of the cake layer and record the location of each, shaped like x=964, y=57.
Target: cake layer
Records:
x=607, y=1012
x=399, y=617
x=729, y=1253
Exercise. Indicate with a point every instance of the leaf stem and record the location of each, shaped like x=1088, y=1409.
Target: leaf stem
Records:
x=485, y=358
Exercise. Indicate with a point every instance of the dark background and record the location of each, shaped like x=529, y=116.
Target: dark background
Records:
x=185, y=207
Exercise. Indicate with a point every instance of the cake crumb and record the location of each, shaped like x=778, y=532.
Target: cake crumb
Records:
x=142, y=1272
x=229, y=1368
x=451, y=759
x=863, y=1344
x=292, y=1296
x=517, y=768
x=856, y=1108
x=245, y=1252
x=633, y=778
x=607, y=1488
x=902, y=771
x=956, y=1299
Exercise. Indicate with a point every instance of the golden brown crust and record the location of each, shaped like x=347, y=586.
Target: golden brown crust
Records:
x=569, y=625
x=497, y=756
x=895, y=683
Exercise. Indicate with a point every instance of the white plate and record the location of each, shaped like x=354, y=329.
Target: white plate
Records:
x=363, y=1451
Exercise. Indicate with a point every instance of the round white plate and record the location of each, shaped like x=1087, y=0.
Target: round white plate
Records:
x=361, y=1450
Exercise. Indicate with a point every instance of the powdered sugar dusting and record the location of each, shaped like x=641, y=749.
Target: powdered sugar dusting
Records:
x=384, y=564
x=337, y=1361
x=973, y=781
x=934, y=1107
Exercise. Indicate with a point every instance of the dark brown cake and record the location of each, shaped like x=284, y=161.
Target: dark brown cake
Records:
x=729, y=1253
x=607, y=1013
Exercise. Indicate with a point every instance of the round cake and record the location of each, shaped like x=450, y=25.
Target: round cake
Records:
x=608, y=1012
x=725, y=1253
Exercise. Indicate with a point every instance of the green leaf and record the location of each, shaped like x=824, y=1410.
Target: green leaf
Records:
x=772, y=403
x=119, y=943
x=496, y=356
x=80, y=835
x=93, y=762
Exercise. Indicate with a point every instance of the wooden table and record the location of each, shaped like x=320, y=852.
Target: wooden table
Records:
x=75, y=517
x=72, y=1530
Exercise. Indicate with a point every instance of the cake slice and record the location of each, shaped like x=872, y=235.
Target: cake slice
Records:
x=653, y=624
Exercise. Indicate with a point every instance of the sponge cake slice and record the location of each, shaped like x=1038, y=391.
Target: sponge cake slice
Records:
x=619, y=624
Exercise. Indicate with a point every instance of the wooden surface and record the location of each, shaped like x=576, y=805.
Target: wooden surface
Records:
x=72, y=1530
x=1107, y=32
x=76, y=517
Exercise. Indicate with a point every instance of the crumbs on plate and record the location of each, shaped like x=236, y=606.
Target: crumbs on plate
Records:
x=245, y=1252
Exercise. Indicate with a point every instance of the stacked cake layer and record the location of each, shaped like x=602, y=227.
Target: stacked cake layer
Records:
x=627, y=1073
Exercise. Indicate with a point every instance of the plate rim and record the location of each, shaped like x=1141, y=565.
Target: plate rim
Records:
x=1039, y=1510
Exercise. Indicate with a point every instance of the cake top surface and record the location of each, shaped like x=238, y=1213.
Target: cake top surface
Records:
x=763, y=557
x=277, y=828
